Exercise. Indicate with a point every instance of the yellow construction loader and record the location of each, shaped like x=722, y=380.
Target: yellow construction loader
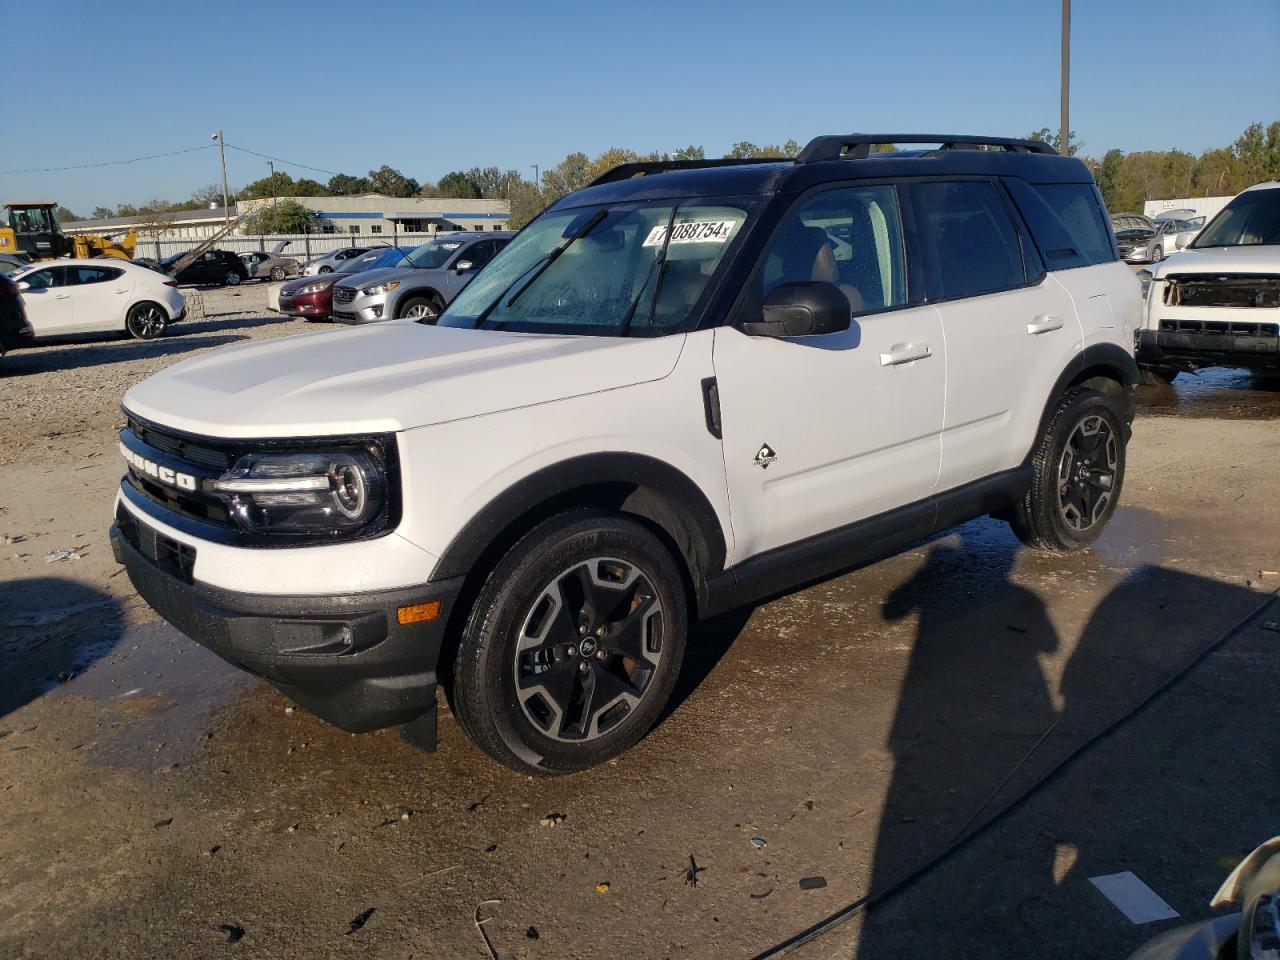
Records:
x=31, y=230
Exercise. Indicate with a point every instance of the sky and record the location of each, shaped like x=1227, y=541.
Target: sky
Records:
x=434, y=87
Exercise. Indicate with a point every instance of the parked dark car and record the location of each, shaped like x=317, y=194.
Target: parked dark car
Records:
x=312, y=297
x=15, y=331
x=214, y=266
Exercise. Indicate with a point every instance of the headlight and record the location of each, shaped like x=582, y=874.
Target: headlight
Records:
x=315, y=492
x=314, y=287
x=1144, y=277
x=378, y=288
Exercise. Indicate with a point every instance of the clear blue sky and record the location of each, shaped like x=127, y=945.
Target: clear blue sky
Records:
x=429, y=88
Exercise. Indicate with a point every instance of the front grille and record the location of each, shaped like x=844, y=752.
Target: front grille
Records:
x=1221, y=328
x=185, y=449
x=344, y=294
x=1222, y=290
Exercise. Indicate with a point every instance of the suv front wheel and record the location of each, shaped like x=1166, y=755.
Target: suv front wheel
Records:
x=573, y=645
x=1079, y=469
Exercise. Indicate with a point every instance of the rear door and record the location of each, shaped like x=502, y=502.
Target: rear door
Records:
x=100, y=295
x=820, y=432
x=1010, y=328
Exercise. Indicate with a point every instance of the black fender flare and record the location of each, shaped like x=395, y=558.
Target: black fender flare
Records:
x=704, y=547
x=1101, y=359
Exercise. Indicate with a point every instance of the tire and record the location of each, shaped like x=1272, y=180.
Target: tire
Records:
x=534, y=608
x=1157, y=375
x=423, y=309
x=277, y=273
x=1071, y=497
x=1157, y=254
x=326, y=270
x=146, y=321
x=232, y=279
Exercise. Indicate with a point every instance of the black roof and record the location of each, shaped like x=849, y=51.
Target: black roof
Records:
x=827, y=159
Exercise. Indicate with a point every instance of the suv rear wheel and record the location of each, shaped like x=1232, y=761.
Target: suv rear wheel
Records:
x=1079, y=469
x=573, y=645
x=232, y=278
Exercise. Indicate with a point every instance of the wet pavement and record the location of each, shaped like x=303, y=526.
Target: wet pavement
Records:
x=1220, y=393
x=156, y=802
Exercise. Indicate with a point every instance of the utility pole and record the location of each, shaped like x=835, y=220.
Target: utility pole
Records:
x=537, y=178
x=1064, y=121
x=226, y=200
x=272, y=167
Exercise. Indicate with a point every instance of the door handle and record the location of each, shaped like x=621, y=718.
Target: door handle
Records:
x=1044, y=324
x=62, y=296
x=905, y=353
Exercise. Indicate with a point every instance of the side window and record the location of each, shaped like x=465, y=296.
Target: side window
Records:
x=852, y=237
x=44, y=279
x=80, y=276
x=974, y=245
x=479, y=253
x=1078, y=210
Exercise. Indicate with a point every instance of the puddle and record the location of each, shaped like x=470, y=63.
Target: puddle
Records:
x=158, y=692
x=1218, y=394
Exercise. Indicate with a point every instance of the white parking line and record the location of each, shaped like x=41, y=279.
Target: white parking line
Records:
x=1133, y=898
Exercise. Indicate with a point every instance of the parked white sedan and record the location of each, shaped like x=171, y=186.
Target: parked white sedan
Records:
x=98, y=296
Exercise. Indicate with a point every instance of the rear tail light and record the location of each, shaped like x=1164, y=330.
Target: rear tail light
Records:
x=171, y=283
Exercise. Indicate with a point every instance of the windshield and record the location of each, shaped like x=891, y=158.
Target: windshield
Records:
x=605, y=271
x=1250, y=220
x=172, y=259
x=371, y=261
x=433, y=254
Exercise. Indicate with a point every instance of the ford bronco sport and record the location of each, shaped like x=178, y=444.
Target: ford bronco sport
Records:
x=688, y=386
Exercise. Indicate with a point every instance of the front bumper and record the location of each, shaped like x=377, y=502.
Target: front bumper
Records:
x=1187, y=350
x=345, y=657
x=1136, y=254
x=307, y=304
x=362, y=309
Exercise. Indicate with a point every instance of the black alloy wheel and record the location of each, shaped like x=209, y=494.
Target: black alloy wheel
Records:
x=146, y=321
x=1087, y=473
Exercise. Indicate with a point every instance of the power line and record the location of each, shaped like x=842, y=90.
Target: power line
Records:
x=288, y=163
x=108, y=163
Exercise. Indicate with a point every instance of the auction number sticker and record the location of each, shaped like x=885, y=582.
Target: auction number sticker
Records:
x=694, y=231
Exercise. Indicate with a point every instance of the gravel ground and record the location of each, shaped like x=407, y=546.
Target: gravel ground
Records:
x=155, y=802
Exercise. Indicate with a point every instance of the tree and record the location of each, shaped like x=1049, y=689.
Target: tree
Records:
x=458, y=186
x=306, y=187
x=284, y=216
x=209, y=193
x=281, y=185
x=390, y=182
x=746, y=150
x=63, y=215
x=102, y=213
x=1054, y=139
x=690, y=152
x=156, y=218
x=345, y=185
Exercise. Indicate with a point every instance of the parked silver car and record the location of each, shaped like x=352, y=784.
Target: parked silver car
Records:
x=329, y=262
x=263, y=265
x=1172, y=235
x=430, y=277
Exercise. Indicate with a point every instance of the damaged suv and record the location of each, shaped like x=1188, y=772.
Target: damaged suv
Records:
x=1216, y=303
x=687, y=387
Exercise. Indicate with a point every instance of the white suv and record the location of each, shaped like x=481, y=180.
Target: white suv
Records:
x=691, y=385
x=1216, y=303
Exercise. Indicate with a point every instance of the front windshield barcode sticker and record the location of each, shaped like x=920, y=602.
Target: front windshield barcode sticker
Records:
x=695, y=231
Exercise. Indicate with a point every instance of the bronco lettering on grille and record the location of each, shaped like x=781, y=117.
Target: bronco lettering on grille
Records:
x=183, y=481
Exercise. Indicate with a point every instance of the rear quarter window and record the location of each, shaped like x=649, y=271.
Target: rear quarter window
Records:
x=1066, y=222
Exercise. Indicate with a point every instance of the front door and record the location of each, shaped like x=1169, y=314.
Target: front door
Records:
x=823, y=431
x=48, y=302
x=100, y=295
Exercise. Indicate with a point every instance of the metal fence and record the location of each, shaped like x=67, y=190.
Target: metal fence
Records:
x=302, y=246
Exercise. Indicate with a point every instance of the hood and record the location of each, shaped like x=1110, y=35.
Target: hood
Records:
x=1264, y=258
x=387, y=377
x=367, y=277
x=292, y=286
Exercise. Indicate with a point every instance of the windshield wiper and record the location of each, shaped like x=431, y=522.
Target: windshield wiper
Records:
x=659, y=264
x=539, y=265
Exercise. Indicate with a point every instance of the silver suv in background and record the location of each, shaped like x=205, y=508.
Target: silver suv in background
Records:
x=423, y=285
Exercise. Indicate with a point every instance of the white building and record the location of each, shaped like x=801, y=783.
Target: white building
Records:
x=1203, y=206
x=373, y=213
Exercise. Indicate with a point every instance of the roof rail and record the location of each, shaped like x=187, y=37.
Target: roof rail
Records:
x=644, y=168
x=856, y=146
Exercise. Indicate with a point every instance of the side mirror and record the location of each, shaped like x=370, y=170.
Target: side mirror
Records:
x=23, y=285
x=462, y=266
x=1180, y=242
x=802, y=308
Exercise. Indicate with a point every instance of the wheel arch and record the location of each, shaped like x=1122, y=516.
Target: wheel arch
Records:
x=144, y=302
x=1104, y=366
x=630, y=483
x=416, y=292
